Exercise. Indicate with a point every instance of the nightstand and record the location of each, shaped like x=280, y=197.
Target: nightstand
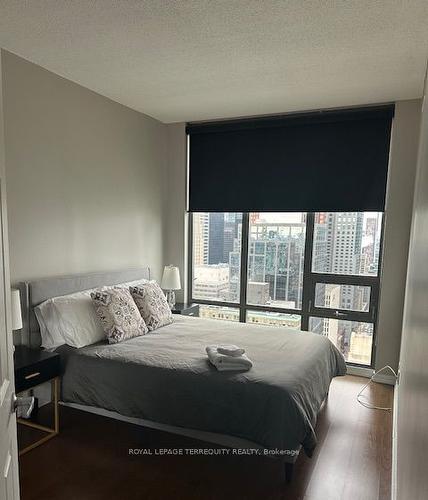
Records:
x=186, y=309
x=34, y=367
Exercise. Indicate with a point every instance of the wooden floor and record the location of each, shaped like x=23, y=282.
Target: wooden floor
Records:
x=90, y=460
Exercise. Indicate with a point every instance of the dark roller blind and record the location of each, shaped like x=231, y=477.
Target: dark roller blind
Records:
x=325, y=161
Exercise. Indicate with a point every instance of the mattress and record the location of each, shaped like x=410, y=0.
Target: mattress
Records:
x=165, y=377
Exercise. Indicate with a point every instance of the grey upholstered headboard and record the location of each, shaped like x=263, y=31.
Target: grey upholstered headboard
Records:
x=35, y=292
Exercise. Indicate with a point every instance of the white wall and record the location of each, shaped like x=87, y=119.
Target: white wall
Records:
x=412, y=392
x=176, y=220
x=85, y=177
x=397, y=224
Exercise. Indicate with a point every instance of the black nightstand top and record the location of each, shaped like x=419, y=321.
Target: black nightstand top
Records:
x=26, y=357
x=186, y=309
x=34, y=366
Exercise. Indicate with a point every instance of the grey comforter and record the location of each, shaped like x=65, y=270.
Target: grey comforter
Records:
x=165, y=377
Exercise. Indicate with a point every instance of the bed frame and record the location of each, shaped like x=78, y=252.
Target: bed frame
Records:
x=35, y=292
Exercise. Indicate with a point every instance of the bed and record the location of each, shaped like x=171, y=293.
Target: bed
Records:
x=164, y=380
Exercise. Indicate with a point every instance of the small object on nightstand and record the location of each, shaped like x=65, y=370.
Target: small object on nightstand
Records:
x=186, y=309
x=24, y=406
x=32, y=368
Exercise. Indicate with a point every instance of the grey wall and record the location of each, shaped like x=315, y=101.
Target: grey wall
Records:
x=412, y=397
x=398, y=217
x=176, y=221
x=85, y=177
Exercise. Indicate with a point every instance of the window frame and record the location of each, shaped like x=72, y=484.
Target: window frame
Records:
x=310, y=279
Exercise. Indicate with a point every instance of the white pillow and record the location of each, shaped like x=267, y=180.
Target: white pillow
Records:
x=71, y=319
x=76, y=319
x=46, y=315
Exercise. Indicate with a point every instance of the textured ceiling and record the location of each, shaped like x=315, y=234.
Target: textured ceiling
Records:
x=179, y=60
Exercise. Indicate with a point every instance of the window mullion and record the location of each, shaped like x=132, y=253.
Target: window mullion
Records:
x=190, y=257
x=308, y=293
x=245, y=236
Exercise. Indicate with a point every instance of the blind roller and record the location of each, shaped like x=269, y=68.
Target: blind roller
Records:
x=325, y=161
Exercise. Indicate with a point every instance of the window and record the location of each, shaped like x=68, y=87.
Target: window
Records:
x=275, y=259
x=352, y=338
x=335, y=296
x=216, y=256
x=309, y=271
x=347, y=243
x=344, y=280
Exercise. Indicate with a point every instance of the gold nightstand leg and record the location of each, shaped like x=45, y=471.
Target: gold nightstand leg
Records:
x=51, y=432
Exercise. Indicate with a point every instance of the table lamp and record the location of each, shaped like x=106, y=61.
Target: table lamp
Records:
x=171, y=282
x=16, y=309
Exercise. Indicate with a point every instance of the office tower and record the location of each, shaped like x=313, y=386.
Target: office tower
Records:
x=345, y=232
x=232, y=234
x=276, y=254
x=200, y=238
x=216, y=239
x=320, y=254
x=211, y=282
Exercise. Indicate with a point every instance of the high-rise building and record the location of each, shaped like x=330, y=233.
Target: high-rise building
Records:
x=254, y=217
x=360, y=347
x=276, y=255
x=224, y=229
x=211, y=282
x=344, y=243
x=216, y=239
x=371, y=243
x=258, y=293
x=232, y=234
x=200, y=238
x=345, y=233
x=320, y=256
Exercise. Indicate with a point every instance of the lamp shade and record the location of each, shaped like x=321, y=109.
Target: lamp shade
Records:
x=16, y=310
x=171, y=278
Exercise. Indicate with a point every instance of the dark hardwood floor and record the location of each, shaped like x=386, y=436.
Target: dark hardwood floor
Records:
x=90, y=460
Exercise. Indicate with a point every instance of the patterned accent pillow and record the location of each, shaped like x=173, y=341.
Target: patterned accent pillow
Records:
x=152, y=304
x=118, y=313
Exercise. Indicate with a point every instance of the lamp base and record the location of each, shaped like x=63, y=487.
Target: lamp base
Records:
x=170, y=297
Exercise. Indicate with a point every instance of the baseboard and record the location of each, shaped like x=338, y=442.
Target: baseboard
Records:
x=362, y=371
x=359, y=371
x=394, y=466
x=384, y=379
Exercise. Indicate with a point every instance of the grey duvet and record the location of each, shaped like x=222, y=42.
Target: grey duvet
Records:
x=165, y=377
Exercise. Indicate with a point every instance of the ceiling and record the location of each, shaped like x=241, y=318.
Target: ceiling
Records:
x=183, y=60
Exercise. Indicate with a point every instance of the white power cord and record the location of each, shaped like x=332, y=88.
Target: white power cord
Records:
x=365, y=402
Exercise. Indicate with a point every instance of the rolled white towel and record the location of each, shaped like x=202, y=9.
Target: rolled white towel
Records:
x=230, y=350
x=228, y=363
